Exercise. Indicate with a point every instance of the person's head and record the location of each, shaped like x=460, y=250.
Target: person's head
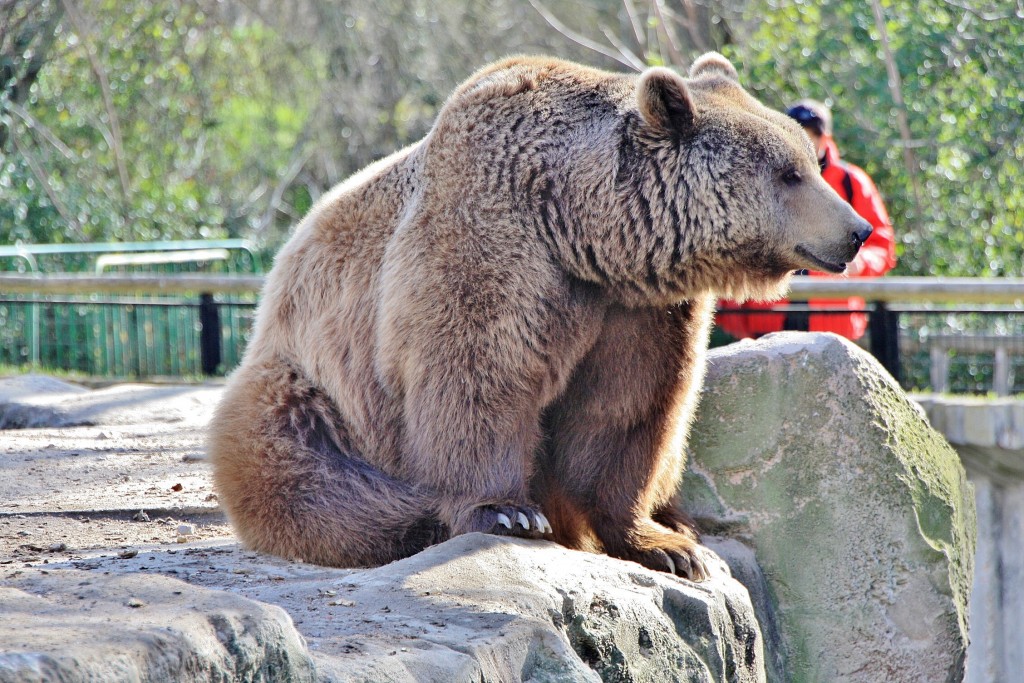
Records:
x=816, y=119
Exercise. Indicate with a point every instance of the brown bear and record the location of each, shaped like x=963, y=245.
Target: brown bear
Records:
x=502, y=327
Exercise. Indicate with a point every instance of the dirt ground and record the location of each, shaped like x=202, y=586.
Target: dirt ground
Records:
x=81, y=490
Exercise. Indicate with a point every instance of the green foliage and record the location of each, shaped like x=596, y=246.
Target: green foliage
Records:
x=154, y=122
x=959, y=63
x=154, y=119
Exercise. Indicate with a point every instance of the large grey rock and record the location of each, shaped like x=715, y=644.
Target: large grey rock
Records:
x=475, y=608
x=497, y=609
x=75, y=626
x=744, y=568
x=858, y=511
x=804, y=453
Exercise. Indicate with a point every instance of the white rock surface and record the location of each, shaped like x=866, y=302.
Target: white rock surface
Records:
x=475, y=608
x=88, y=626
x=794, y=431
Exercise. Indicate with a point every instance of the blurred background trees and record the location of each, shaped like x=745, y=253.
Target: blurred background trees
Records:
x=160, y=119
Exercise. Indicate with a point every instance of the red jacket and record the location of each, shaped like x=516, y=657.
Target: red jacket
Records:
x=876, y=257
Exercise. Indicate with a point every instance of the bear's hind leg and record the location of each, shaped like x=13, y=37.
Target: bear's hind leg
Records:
x=653, y=545
x=615, y=442
x=671, y=516
x=293, y=485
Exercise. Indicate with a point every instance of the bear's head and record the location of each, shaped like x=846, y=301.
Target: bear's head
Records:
x=728, y=190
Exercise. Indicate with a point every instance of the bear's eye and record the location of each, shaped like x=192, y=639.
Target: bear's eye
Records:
x=792, y=177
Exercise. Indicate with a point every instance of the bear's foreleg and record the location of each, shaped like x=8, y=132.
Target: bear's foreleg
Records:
x=477, y=458
x=615, y=450
x=472, y=410
x=477, y=332
x=294, y=485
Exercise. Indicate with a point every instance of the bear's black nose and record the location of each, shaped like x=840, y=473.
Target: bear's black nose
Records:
x=861, y=234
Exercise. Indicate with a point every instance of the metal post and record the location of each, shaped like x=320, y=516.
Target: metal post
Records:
x=885, y=337
x=209, y=334
x=1001, y=372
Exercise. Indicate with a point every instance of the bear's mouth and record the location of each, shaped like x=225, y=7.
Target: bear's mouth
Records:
x=820, y=263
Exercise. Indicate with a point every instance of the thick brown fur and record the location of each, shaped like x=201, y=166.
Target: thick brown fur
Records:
x=509, y=318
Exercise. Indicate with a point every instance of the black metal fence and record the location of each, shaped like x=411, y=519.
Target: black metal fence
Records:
x=166, y=329
x=964, y=349
x=147, y=334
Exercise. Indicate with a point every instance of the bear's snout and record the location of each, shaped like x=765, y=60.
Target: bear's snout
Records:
x=861, y=233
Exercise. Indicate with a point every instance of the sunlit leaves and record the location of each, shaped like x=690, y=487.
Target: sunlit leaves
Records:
x=961, y=84
x=209, y=114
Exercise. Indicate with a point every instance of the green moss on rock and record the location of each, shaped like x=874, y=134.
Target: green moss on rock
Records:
x=858, y=511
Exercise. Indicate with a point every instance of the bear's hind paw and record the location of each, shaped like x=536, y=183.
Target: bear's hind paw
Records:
x=688, y=565
x=674, y=554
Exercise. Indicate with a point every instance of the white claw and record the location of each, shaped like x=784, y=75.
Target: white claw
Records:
x=504, y=520
x=523, y=521
x=671, y=564
x=543, y=524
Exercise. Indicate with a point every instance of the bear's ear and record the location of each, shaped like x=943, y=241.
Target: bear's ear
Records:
x=665, y=102
x=711, y=64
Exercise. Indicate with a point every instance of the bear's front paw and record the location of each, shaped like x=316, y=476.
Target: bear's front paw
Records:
x=505, y=520
x=673, y=553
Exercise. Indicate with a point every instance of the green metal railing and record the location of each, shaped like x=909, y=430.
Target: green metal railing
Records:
x=242, y=257
x=119, y=331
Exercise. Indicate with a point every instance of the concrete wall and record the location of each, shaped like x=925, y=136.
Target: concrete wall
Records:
x=989, y=436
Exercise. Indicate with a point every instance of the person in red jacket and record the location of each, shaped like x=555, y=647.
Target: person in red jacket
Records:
x=876, y=257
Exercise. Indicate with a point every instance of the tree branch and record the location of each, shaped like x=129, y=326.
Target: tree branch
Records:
x=117, y=144
x=15, y=87
x=984, y=15
x=583, y=40
x=634, y=21
x=896, y=89
x=623, y=50
x=691, y=25
x=55, y=200
x=665, y=27
x=36, y=125
x=299, y=158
